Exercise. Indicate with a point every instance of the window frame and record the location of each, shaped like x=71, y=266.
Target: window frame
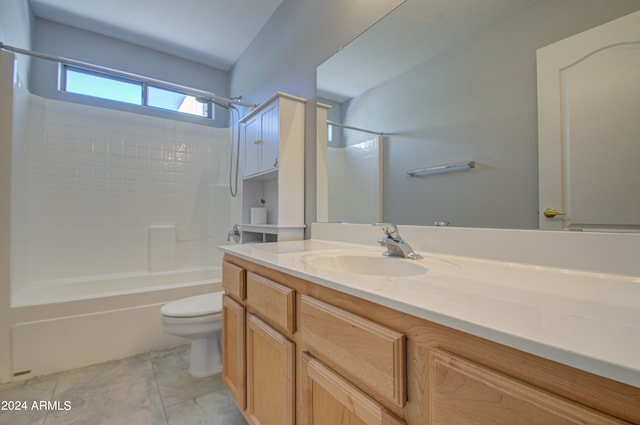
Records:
x=144, y=91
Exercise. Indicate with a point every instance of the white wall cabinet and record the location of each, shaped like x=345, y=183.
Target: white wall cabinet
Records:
x=273, y=169
x=261, y=139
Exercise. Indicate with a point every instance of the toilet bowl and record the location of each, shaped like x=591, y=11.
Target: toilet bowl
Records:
x=198, y=318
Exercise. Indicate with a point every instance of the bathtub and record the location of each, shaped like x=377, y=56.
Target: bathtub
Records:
x=63, y=324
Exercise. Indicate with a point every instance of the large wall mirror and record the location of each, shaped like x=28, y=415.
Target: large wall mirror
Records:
x=445, y=82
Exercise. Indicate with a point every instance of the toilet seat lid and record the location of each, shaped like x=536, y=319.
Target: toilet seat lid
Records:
x=199, y=305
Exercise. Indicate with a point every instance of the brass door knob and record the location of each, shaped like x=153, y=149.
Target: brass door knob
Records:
x=552, y=212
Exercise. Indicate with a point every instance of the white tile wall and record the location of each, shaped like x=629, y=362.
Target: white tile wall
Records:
x=96, y=179
x=18, y=187
x=354, y=189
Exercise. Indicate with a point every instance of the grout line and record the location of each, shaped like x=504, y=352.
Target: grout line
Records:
x=155, y=379
x=51, y=398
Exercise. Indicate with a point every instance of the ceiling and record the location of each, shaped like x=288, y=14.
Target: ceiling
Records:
x=213, y=32
x=410, y=35
x=216, y=32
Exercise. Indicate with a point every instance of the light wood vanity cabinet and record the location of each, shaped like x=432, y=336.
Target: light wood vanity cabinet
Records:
x=274, y=302
x=463, y=392
x=233, y=350
x=356, y=357
x=270, y=353
x=315, y=356
x=328, y=399
x=360, y=349
x=233, y=332
x=258, y=354
x=270, y=375
x=234, y=281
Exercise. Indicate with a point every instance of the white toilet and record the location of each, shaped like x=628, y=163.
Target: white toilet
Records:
x=198, y=318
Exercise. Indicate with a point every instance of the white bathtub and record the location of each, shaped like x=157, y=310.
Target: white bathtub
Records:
x=64, y=324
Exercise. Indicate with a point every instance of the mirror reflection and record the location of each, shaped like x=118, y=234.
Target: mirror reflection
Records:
x=447, y=82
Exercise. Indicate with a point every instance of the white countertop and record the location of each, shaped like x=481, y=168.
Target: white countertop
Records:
x=587, y=320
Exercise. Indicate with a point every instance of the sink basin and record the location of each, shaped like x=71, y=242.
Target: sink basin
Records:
x=366, y=264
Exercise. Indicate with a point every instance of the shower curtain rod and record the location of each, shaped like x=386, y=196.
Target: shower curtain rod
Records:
x=354, y=128
x=124, y=74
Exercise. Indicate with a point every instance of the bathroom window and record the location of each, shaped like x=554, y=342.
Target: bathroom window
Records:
x=176, y=101
x=111, y=87
x=89, y=83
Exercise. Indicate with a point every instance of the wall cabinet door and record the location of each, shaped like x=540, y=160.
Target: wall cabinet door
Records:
x=233, y=350
x=270, y=375
x=329, y=399
x=261, y=141
x=270, y=136
x=465, y=393
x=252, y=147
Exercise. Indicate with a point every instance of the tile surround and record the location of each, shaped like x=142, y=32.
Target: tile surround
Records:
x=354, y=182
x=93, y=180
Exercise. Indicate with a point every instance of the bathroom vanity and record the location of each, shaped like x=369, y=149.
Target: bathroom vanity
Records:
x=311, y=339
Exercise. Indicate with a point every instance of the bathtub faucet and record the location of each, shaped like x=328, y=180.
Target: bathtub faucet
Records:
x=234, y=234
x=396, y=246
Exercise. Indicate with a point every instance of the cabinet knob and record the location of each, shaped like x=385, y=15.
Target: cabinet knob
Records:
x=257, y=142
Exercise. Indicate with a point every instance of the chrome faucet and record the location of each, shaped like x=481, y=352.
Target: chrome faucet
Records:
x=235, y=234
x=396, y=246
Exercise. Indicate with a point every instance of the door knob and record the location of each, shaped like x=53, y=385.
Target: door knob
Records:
x=552, y=212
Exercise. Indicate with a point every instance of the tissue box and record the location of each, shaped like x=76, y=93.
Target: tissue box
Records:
x=259, y=215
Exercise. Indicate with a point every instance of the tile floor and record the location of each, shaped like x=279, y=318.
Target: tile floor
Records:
x=149, y=389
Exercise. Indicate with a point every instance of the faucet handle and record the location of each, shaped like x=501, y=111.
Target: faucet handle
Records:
x=235, y=234
x=390, y=229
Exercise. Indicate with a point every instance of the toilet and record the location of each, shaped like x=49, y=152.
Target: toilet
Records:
x=198, y=318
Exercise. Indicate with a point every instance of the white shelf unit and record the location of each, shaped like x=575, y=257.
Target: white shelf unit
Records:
x=273, y=169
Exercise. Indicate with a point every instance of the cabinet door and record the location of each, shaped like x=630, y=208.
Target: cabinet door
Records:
x=233, y=350
x=329, y=399
x=270, y=136
x=465, y=393
x=270, y=375
x=252, y=147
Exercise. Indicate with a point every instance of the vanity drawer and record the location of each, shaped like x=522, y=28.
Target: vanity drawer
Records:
x=361, y=349
x=275, y=303
x=462, y=391
x=233, y=280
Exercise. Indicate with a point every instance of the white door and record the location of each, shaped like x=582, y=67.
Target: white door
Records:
x=589, y=129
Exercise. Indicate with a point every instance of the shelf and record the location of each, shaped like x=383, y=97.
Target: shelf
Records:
x=265, y=175
x=271, y=229
x=271, y=232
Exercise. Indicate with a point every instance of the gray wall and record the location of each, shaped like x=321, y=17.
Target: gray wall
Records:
x=473, y=102
x=15, y=23
x=299, y=36
x=15, y=30
x=62, y=40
